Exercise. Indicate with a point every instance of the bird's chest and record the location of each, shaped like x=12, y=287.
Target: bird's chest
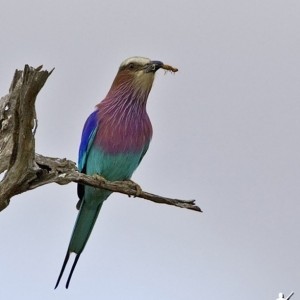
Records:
x=123, y=134
x=118, y=147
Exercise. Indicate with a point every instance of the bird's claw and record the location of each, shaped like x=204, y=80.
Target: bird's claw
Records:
x=97, y=177
x=138, y=189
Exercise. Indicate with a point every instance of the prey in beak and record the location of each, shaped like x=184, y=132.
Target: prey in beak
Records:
x=154, y=65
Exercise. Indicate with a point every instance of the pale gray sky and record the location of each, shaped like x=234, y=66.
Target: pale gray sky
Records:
x=226, y=132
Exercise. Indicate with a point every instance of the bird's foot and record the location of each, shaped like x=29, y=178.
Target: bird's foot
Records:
x=98, y=177
x=137, y=187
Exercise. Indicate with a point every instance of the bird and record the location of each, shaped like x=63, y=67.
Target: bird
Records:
x=114, y=140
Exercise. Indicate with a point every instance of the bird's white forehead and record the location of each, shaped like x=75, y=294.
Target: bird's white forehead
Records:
x=135, y=59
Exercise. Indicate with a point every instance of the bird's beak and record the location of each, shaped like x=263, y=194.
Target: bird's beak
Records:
x=153, y=66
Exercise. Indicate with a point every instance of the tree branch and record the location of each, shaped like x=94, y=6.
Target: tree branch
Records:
x=27, y=170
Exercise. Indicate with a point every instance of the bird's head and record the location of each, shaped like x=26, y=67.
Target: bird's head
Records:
x=137, y=73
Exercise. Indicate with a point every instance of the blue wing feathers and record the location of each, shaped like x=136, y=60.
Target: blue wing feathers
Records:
x=87, y=138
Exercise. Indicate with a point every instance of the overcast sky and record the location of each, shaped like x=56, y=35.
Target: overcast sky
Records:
x=226, y=132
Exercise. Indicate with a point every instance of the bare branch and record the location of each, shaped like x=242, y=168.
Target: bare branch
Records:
x=27, y=170
x=63, y=171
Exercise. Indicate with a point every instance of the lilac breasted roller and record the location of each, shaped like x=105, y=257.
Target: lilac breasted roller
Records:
x=114, y=140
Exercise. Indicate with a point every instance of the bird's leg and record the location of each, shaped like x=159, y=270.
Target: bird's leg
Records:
x=137, y=187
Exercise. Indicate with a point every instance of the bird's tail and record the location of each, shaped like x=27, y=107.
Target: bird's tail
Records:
x=85, y=222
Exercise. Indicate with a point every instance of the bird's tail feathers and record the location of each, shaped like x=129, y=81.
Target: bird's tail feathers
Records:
x=85, y=222
x=84, y=225
x=62, y=269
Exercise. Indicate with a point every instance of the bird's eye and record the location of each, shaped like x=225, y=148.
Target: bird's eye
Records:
x=131, y=66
